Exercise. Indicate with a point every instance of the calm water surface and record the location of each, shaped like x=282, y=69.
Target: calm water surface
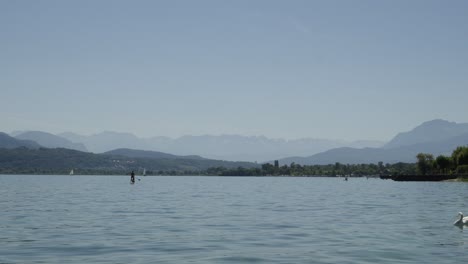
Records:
x=104, y=219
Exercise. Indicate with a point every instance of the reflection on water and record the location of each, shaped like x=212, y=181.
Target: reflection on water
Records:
x=104, y=219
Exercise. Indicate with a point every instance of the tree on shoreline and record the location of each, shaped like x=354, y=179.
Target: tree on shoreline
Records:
x=456, y=163
x=425, y=162
x=460, y=159
x=443, y=163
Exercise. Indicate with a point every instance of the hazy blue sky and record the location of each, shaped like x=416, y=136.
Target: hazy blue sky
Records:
x=326, y=69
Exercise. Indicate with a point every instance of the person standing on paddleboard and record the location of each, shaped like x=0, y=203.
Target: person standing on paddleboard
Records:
x=132, y=177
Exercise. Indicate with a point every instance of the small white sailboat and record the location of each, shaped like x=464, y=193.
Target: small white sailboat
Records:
x=144, y=172
x=71, y=172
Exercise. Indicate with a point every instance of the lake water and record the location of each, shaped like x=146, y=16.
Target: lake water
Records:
x=104, y=219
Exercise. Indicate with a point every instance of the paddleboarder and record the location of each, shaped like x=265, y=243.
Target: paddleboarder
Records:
x=132, y=177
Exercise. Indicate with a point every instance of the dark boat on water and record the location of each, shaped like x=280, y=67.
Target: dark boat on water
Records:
x=434, y=177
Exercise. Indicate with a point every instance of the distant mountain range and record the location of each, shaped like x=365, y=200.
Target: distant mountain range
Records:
x=438, y=137
x=224, y=147
x=57, y=154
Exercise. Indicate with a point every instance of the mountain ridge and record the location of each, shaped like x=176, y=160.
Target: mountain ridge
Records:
x=135, y=153
x=9, y=142
x=429, y=131
x=49, y=140
x=61, y=161
x=224, y=147
x=405, y=150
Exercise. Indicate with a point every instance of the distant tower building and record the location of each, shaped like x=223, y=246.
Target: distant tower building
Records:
x=276, y=164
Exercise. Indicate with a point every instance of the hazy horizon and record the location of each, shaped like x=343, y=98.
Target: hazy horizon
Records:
x=342, y=70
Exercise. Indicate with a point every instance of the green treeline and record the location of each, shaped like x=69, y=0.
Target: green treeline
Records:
x=457, y=163
x=331, y=170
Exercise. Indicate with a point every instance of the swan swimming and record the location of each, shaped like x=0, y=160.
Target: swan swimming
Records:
x=462, y=220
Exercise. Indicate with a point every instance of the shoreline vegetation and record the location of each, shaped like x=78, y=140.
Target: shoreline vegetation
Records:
x=427, y=168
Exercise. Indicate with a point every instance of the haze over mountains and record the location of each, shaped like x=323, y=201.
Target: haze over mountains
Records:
x=436, y=137
x=224, y=147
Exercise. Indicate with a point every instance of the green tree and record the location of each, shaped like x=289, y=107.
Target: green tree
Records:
x=443, y=163
x=460, y=156
x=268, y=169
x=425, y=162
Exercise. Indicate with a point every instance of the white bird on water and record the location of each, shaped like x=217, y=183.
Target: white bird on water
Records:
x=462, y=220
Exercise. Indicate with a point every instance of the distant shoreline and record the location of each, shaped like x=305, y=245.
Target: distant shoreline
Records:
x=406, y=178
